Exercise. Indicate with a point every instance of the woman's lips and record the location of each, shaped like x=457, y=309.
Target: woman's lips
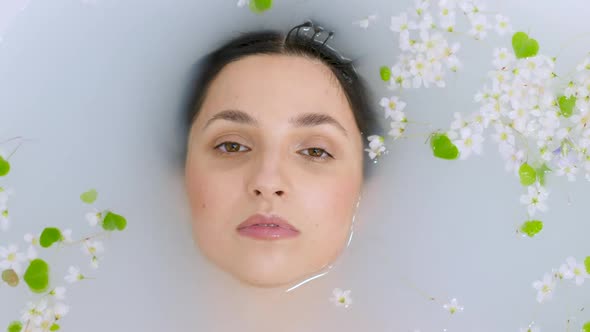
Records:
x=263, y=227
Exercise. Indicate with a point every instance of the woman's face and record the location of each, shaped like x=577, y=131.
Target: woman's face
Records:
x=275, y=137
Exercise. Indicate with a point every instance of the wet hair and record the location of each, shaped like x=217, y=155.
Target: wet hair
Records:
x=302, y=40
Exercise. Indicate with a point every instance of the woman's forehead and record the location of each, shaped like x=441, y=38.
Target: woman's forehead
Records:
x=278, y=86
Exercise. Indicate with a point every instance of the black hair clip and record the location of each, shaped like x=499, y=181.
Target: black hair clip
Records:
x=308, y=26
x=310, y=32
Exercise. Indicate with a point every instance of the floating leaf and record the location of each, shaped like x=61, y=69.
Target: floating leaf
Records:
x=385, y=73
x=4, y=166
x=37, y=275
x=587, y=264
x=566, y=105
x=15, y=326
x=89, y=197
x=531, y=227
x=260, y=6
x=442, y=147
x=49, y=236
x=527, y=174
x=541, y=171
x=54, y=327
x=10, y=277
x=524, y=46
x=114, y=221
x=586, y=327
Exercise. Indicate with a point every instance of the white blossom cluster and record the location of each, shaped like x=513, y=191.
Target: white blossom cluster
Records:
x=531, y=120
x=426, y=54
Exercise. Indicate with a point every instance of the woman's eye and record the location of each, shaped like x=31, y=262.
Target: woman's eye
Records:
x=317, y=153
x=230, y=147
x=311, y=153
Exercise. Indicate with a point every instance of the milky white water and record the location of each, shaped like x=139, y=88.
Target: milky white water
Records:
x=98, y=89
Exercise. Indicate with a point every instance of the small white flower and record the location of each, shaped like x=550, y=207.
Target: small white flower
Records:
x=376, y=146
x=364, y=23
x=341, y=298
x=4, y=219
x=514, y=158
x=503, y=134
x=502, y=25
x=401, y=24
x=74, y=275
x=573, y=269
x=535, y=199
x=93, y=217
x=567, y=166
x=399, y=78
x=58, y=292
x=67, y=235
x=34, y=312
x=92, y=248
x=468, y=142
x=393, y=107
x=453, y=306
x=243, y=3
x=397, y=129
x=479, y=27
x=11, y=258
x=545, y=287
x=60, y=310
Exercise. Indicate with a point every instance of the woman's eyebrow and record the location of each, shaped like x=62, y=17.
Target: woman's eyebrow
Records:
x=302, y=120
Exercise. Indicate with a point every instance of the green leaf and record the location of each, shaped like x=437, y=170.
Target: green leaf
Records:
x=442, y=147
x=527, y=174
x=541, y=171
x=586, y=327
x=587, y=264
x=566, y=105
x=15, y=326
x=89, y=197
x=49, y=236
x=531, y=227
x=4, y=166
x=524, y=46
x=260, y=6
x=10, y=277
x=37, y=275
x=385, y=73
x=54, y=327
x=114, y=221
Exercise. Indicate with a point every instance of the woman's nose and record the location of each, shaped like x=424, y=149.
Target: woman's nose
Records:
x=267, y=176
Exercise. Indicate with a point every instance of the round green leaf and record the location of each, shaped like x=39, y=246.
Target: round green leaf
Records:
x=531, y=227
x=385, y=73
x=586, y=327
x=527, y=174
x=587, y=264
x=49, y=236
x=10, y=277
x=54, y=327
x=566, y=105
x=442, y=147
x=114, y=221
x=37, y=275
x=89, y=197
x=524, y=46
x=260, y=6
x=4, y=166
x=15, y=326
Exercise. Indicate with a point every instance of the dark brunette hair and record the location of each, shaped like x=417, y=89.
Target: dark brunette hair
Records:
x=302, y=40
